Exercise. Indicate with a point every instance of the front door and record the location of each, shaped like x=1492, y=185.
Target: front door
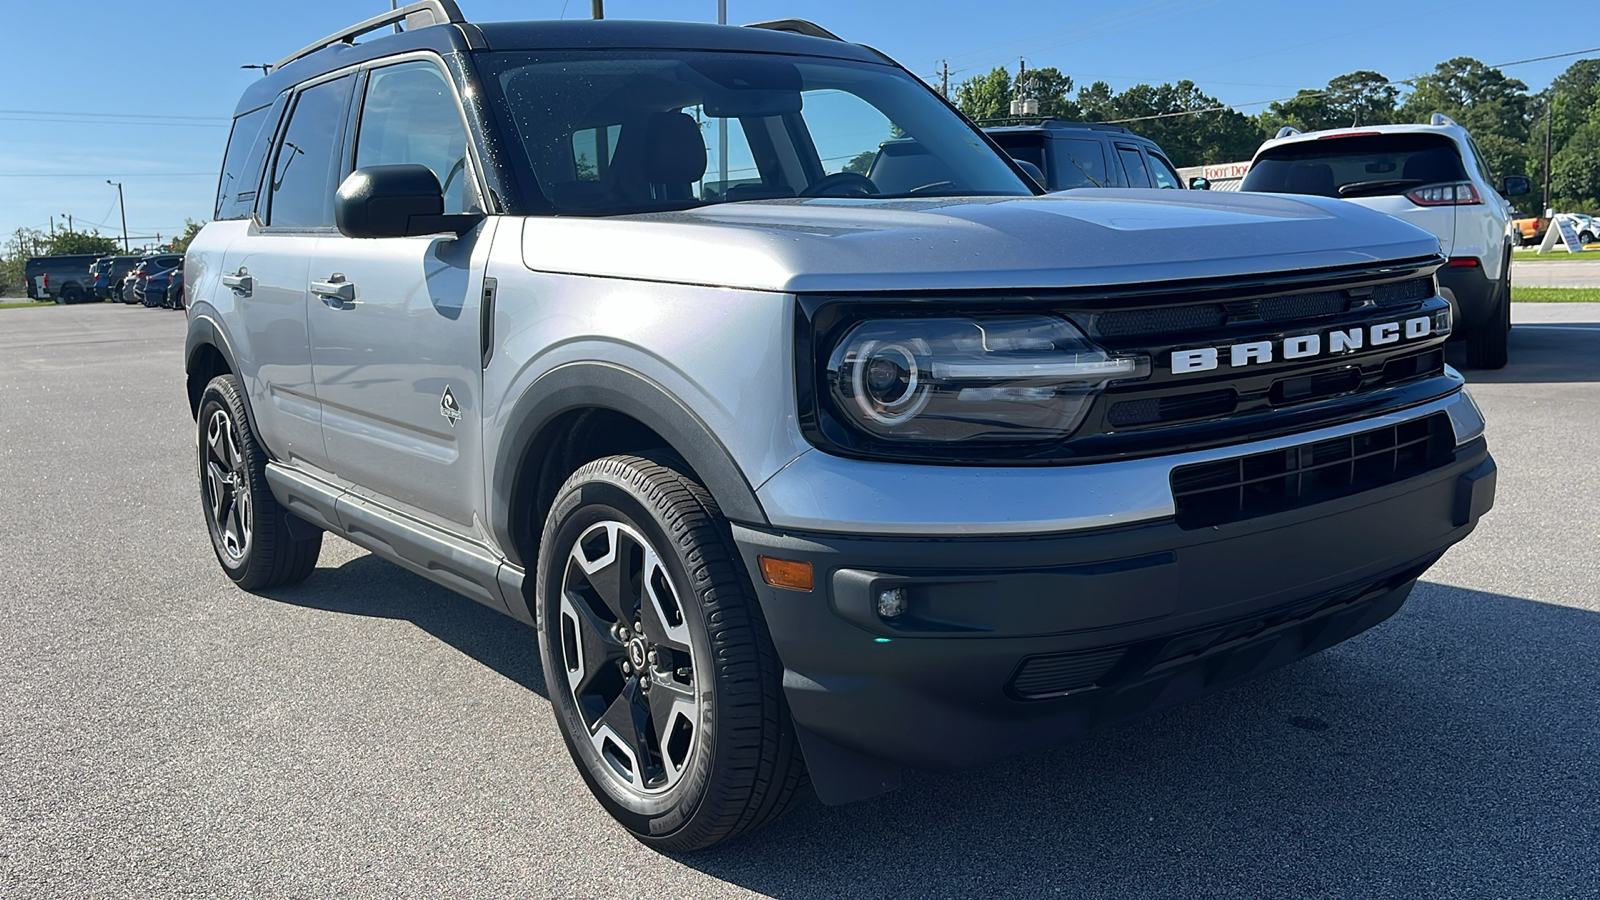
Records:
x=395, y=330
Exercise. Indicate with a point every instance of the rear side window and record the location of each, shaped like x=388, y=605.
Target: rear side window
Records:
x=1133, y=165
x=1357, y=166
x=302, y=172
x=410, y=116
x=1076, y=162
x=236, y=189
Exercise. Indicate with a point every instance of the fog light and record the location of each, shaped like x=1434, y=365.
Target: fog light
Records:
x=892, y=603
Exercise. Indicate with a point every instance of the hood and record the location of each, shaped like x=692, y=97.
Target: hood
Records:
x=1080, y=238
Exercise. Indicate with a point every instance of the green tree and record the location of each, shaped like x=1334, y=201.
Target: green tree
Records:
x=1575, y=168
x=1185, y=121
x=23, y=244
x=862, y=162
x=986, y=98
x=1053, y=89
x=180, y=244
x=1359, y=98
x=71, y=242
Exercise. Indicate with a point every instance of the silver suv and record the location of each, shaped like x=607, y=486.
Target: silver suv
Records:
x=792, y=469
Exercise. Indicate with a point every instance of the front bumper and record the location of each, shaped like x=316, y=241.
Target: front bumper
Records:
x=1017, y=642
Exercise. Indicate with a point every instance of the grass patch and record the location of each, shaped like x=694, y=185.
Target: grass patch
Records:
x=1558, y=255
x=19, y=304
x=1554, y=295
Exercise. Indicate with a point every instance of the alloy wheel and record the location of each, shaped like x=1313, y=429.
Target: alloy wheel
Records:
x=629, y=661
x=226, y=485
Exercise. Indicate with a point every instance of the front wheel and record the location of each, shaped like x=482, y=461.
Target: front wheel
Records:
x=662, y=674
x=251, y=533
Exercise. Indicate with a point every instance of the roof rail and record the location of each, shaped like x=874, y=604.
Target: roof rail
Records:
x=797, y=26
x=1285, y=131
x=1442, y=119
x=413, y=15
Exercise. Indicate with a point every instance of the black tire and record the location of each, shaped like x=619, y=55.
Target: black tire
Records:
x=1586, y=238
x=252, y=539
x=740, y=765
x=1488, y=345
x=71, y=293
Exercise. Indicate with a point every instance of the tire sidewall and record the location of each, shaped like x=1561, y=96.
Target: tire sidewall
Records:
x=606, y=496
x=217, y=396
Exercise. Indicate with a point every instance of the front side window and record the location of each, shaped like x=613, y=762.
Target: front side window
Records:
x=1133, y=165
x=410, y=115
x=611, y=131
x=1369, y=165
x=302, y=173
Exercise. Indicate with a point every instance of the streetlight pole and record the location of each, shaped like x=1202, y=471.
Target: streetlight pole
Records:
x=722, y=123
x=597, y=9
x=123, y=209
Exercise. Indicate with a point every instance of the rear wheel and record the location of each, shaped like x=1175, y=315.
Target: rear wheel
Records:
x=1487, y=345
x=660, y=669
x=72, y=294
x=250, y=533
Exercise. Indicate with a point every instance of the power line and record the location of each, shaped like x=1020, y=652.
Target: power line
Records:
x=108, y=174
x=106, y=115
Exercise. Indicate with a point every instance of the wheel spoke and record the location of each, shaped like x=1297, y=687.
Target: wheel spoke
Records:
x=627, y=721
x=674, y=718
x=608, y=557
x=597, y=647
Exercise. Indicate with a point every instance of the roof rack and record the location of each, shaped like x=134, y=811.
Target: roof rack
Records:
x=413, y=15
x=1442, y=119
x=797, y=26
x=1285, y=131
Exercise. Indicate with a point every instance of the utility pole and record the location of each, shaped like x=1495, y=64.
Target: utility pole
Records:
x=722, y=123
x=124, y=211
x=597, y=9
x=1549, y=109
x=68, y=217
x=52, y=228
x=944, y=78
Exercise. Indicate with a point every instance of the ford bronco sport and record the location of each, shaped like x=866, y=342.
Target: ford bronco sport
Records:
x=798, y=474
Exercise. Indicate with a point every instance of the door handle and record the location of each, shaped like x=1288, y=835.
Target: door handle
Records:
x=335, y=290
x=240, y=283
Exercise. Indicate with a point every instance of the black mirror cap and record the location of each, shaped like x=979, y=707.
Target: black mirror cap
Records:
x=395, y=201
x=1516, y=186
x=1199, y=184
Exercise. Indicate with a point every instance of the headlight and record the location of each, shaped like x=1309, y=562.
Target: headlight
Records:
x=1003, y=378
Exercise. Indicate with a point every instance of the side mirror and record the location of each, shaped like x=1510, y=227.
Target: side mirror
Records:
x=395, y=201
x=1516, y=186
x=1032, y=170
x=1199, y=184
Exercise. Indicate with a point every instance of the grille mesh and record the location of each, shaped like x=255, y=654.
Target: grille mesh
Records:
x=1062, y=673
x=1131, y=322
x=1303, y=306
x=1275, y=310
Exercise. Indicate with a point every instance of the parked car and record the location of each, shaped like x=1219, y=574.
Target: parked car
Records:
x=135, y=288
x=1587, y=227
x=1529, y=230
x=64, y=279
x=152, y=290
x=107, y=273
x=1429, y=175
x=175, y=295
x=883, y=472
x=1076, y=154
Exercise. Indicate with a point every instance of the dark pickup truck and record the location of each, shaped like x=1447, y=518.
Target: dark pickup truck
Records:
x=64, y=279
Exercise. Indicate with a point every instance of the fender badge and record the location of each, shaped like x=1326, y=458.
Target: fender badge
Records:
x=449, y=408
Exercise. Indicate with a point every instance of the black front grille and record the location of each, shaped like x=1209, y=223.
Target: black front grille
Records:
x=1284, y=309
x=1161, y=320
x=1296, y=307
x=1173, y=408
x=1402, y=293
x=1231, y=490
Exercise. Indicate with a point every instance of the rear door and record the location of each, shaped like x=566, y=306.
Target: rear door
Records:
x=395, y=322
x=267, y=269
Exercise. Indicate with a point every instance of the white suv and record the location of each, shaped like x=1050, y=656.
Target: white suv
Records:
x=1432, y=176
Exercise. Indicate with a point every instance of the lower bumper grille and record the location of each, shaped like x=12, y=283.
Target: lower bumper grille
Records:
x=1232, y=490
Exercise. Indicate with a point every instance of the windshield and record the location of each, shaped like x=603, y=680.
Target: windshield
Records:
x=613, y=131
x=1368, y=165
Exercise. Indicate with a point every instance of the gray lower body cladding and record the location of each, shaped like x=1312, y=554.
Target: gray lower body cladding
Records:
x=1010, y=644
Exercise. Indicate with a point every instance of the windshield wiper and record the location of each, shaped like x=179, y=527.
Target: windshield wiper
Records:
x=1375, y=187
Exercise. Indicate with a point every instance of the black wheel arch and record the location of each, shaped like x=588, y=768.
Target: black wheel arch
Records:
x=207, y=353
x=581, y=411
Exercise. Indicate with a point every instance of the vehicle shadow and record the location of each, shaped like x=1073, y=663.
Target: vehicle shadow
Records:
x=371, y=586
x=1450, y=752
x=1540, y=352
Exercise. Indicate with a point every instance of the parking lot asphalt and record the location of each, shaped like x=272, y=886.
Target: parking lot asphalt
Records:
x=1555, y=273
x=367, y=734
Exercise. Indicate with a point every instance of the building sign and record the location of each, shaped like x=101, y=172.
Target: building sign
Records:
x=1226, y=170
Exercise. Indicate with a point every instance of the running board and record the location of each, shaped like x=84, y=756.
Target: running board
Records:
x=466, y=567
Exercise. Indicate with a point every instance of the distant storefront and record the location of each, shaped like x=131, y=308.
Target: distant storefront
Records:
x=1223, y=176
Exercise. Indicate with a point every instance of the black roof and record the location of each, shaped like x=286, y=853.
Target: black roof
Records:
x=550, y=35
x=1056, y=125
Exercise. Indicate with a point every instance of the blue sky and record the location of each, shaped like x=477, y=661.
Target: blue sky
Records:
x=180, y=61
